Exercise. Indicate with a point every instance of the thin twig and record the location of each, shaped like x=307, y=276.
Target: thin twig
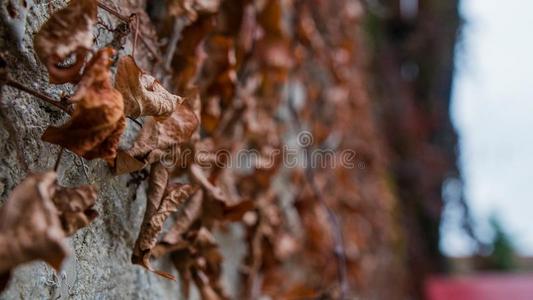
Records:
x=173, y=42
x=58, y=159
x=339, y=249
x=127, y=20
x=113, y=12
x=37, y=94
x=149, y=47
x=46, y=98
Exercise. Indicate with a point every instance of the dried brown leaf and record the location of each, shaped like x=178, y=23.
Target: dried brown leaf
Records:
x=156, y=137
x=161, y=202
x=202, y=262
x=220, y=66
x=188, y=213
x=234, y=213
x=98, y=121
x=75, y=207
x=189, y=54
x=67, y=32
x=198, y=175
x=143, y=94
x=208, y=268
x=125, y=163
x=183, y=262
x=30, y=228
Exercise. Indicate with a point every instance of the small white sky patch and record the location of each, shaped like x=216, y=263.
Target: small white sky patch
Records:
x=492, y=109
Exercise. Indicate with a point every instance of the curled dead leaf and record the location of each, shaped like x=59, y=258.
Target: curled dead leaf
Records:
x=156, y=137
x=97, y=122
x=199, y=176
x=67, y=33
x=162, y=201
x=188, y=213
x=29, y=225
x=75, y=207
x=143, y=94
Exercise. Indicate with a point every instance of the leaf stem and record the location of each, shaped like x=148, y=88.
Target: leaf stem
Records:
x=127, y=20
x=113, y=12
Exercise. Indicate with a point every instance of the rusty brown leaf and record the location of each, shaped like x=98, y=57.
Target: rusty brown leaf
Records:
x=30, y=228
x=143, y=94
x=201, y=261
x=199, y=176
x=98, y=122
x=187, y=60
x=75, y=206
x=68, y=32
x=162, y=201
x=188, y=213
x=156, y=137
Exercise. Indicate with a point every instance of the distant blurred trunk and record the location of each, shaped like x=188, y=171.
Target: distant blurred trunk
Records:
x=413, y=65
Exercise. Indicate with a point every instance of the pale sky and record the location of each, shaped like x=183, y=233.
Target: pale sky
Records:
x=492, y=109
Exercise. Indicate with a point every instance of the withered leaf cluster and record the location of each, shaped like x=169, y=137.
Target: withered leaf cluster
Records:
x=163, y=199
x=40, y=213
x=242, y=73
x=36, y=219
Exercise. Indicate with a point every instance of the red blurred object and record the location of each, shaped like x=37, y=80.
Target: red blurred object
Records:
x=481, y=287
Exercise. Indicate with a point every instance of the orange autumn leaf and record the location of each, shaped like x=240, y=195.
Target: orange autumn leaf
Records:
x=98, y=122
x=67, y=32
x=143, y=94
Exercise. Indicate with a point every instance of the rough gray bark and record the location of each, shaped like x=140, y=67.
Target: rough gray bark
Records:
x=99, y=266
